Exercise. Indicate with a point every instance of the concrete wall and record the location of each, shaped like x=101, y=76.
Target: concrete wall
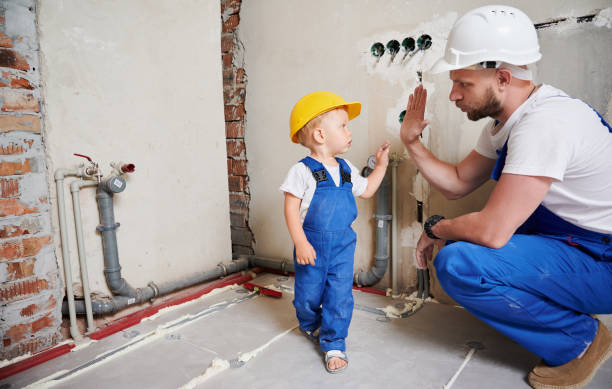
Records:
x=140, y=81
x=295, y=47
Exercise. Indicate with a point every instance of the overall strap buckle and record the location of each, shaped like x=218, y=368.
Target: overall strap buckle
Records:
x=319, y=175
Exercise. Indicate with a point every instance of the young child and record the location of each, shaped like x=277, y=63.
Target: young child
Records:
x=319, y=210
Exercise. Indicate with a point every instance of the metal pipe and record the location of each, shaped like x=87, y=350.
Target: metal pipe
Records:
x=61, y=210
x=382, y=216
x=75, y=186
x=394, y=257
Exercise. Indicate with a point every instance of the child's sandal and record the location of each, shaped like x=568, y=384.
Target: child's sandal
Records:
x=335, y=354
x=312, y=335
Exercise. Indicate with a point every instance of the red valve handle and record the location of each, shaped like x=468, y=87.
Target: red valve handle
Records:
x=84, y=156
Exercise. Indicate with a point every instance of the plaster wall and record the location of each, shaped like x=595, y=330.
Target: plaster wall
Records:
x=140, y=82
x=295, y=47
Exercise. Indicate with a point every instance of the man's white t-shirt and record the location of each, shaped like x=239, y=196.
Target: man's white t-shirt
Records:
x=300, y=183
x=553, y=135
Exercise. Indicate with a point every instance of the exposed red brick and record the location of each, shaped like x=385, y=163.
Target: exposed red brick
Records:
x=29, y=310
x=230, y=6
x=51, y=303
x=228, y=75
x=9, y=188
x=5, y=41
x=44, y=322
x=237, y=167
x=11, y=59
x=239, y=201
x=29, y=346
x=234, y=112
x=21, y=83
x=12, y=149
x=22, y=269
x=29, y=142
x=20, y=331
x=24, y=122
x=241, y=76
x=230, y=24
x=14, y=207
x=15, y=102
x=234, y=129
x=227, y=43
x=234, y=95
x=13, y=230
x=15, y=168
x=32, y=246
x=16, y=290
x=236, y=183
x=227, y=59
x=23, y=248
x=235, y=148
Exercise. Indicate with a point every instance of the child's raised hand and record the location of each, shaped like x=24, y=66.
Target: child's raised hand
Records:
x=382, y=154
x=305, y=254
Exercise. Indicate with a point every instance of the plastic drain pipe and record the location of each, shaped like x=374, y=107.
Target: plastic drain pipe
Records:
x=75, y=187
x=382, y=216
x=124, y=294
x=395, y=161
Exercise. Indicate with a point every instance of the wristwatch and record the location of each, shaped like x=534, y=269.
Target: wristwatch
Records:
x=430, y=222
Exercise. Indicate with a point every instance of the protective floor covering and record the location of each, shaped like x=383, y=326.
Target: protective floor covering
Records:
x=234, y=338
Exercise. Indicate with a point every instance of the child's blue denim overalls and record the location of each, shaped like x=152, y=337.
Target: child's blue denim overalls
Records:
x=323, y=292
x=538, y=289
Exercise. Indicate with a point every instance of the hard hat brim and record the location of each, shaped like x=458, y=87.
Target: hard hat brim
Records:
x=353, y=109
x=441, y=66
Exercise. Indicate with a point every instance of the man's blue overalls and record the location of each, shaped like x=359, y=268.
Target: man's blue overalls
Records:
x=323, y=292
x=538, y=289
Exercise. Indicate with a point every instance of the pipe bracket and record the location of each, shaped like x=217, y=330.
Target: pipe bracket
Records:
x=108, y=228
x=154, y=288
x=382, y=217
x=222, y=266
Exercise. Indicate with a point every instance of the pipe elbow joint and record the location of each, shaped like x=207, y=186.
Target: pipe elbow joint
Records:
x=113, y=184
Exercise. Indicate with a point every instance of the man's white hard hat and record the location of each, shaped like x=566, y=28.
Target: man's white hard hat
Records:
x=491, y=33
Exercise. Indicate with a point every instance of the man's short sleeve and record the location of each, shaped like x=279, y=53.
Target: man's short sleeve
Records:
x=539, y=148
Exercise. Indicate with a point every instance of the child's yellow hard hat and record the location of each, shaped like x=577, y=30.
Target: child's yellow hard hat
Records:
x=315, y=104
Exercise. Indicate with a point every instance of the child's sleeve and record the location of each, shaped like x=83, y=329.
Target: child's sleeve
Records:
x=295, y=182
x=360, y=183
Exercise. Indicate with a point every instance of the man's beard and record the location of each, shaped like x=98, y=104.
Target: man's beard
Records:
x=490, y=108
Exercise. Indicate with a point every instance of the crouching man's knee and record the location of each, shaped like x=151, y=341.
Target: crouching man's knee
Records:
x=457, y=266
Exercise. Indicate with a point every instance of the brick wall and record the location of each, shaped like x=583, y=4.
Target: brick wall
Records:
x=30, y=296
x=234, y=91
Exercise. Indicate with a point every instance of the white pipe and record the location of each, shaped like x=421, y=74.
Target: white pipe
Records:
x=75, y=186
x=59, y=184
x=394, y=257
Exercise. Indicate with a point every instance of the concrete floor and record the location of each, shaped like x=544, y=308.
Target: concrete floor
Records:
x=230, y=338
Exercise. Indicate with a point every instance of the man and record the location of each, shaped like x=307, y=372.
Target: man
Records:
x=536, y=261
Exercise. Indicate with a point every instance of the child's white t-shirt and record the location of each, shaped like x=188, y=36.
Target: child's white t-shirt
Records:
x=300, y=183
